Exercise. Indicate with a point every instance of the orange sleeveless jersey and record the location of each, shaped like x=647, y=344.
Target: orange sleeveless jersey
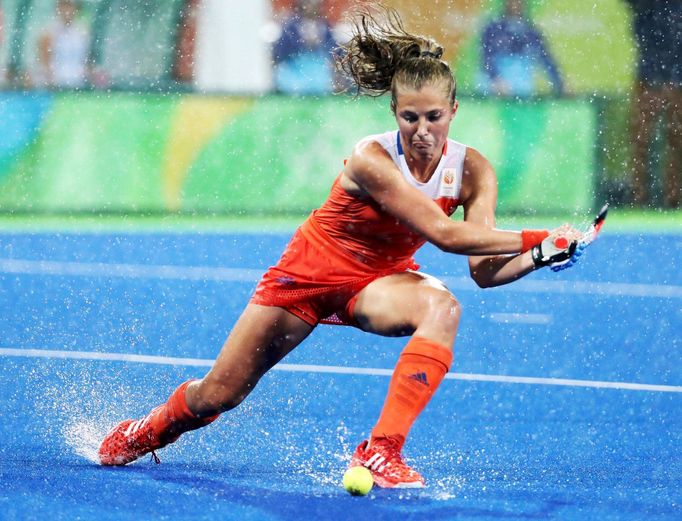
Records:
x=348, y=242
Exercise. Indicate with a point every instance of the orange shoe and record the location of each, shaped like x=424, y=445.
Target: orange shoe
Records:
x=130, y=440
x=384, y=461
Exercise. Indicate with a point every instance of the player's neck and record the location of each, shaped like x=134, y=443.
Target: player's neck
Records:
x=422, y=168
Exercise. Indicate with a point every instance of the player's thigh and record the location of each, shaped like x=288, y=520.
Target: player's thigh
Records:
x=262, y=336
x=403, y=303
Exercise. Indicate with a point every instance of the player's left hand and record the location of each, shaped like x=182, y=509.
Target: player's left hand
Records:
x=557, y=248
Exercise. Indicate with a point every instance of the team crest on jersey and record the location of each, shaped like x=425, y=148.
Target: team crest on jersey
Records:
x=448, y=185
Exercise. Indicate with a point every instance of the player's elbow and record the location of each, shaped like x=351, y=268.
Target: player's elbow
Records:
x=480, y=275
x=447, y=245
x=481, y=282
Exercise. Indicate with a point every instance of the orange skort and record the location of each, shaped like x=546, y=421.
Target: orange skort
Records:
x=317, y=280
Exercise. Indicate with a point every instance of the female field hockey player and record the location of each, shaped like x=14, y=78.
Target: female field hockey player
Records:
x=351, y=260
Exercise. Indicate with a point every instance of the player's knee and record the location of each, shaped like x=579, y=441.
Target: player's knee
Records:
x=444, y=308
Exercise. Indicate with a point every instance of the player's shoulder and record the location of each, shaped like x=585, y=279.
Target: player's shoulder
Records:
x=479, y=175
x=387, y=140
x=475, y=161
x=372, y=159
x=384, y=144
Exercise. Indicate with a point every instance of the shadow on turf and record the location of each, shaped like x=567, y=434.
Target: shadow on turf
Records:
x=239, y=485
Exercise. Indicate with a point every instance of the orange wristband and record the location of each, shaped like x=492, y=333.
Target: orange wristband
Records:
x=530, y=238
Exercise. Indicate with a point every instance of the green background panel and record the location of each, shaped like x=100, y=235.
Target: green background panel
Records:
x=93, y=153
x=283, y=155
x=542, y=151
x=109, y=153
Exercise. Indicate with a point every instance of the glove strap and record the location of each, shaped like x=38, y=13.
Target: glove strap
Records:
x=536, y=254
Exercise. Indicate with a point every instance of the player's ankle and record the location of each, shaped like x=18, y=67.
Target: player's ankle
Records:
x=394, y=439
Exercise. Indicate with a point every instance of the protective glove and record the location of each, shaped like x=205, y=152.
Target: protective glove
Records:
x=553, y=251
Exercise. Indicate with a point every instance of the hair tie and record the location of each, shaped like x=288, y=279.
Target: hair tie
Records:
x=428, y=54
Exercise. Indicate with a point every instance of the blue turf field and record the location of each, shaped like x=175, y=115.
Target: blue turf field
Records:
x=97, y=327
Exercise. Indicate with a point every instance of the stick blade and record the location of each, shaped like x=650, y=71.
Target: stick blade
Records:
x=601, y=217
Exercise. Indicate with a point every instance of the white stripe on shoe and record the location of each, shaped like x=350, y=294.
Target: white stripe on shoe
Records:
x=144, y=422
x=137, y=425
x=375, y=462
x=132, y=428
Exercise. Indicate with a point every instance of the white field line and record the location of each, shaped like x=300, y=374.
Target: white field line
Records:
x=209, y=273
x=331, y=369
x=132, y=271
x=521, y=318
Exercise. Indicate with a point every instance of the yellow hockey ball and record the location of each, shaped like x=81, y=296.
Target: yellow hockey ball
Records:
x=358, y=481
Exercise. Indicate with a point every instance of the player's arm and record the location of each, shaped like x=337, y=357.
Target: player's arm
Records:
x=371, y=171
x=480, y=201
x=558, y=248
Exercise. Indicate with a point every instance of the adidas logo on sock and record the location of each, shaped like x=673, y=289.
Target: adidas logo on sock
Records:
x=419, y=377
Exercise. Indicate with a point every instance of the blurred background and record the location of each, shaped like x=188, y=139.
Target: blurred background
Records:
x=233, y=108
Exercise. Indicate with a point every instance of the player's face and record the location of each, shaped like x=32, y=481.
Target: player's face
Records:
x=423, y=118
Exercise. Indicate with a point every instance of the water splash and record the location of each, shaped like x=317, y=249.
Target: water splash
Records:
x=444, y=482
x=83, y=436
x=81, y=409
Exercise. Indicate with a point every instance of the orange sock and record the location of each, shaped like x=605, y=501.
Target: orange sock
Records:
x=173, y=418
x=420, y=370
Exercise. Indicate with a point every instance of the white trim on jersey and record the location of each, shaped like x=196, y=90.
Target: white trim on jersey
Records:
x=446, y=180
